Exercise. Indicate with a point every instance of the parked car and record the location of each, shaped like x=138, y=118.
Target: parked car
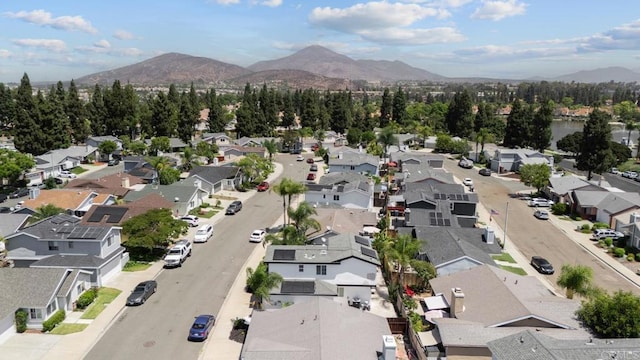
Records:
x=300, y=158
x=203, y=234
x=201, y=327
x=58, y=181
x=5, y=210
x=485, y=172
x=540, y=202
x=192, y=220
x=142, y=292
x=467, y=182
x=234, y=207
x=541, y=214
x=22, y=192
x=263, y=186
x=599, y=234
x=542, y=265
x=113, y=162
x=310, y=161
x=311, y=176
x=313, y=167
x=67, y=174
x=3, y=197
x=614, y=171
x=630, y=174
x=465, y=163
x=257, y=236
x=178, y=253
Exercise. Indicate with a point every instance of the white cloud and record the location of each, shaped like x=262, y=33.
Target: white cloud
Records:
x=47, y=44
x=624, y=37
x=414, y=36
x=509, y=52
x=271, y=3
x=498, y=10
x=5, y=54
x=127, y=52
x=227, y=2
x=123, y=35
x=102, y=44
x=44, y=18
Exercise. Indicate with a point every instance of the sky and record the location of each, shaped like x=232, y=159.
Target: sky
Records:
x=509, y=39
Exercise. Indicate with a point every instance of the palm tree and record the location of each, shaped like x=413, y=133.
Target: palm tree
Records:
x=403, y=249
x=188, y=158
x=575, y=279
x=45, y=211
x=288, y=188
x=386, y=138
x=302, y=220
x=271, y=147
x=261, y=281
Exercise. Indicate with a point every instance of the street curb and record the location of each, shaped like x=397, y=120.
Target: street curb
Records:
x=593, y=253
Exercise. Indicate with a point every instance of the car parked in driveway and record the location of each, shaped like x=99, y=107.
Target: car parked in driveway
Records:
x=541, y=214
x=192, y=220
x=201, y=327
x=542, y=265
x=22, y=192
x=257, y=236
x=67, y=174
x=234, y=207
x=142, y=292
x=599, y=234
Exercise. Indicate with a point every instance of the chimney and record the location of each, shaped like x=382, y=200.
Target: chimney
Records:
x=340, y=155
x=125, y=182
x=388, y=347
x=457, y=302
x=489, y=235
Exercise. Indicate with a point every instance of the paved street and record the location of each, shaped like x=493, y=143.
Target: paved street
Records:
x=535, y=237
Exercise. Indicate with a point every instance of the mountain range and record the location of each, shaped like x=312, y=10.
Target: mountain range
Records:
x=311, y=67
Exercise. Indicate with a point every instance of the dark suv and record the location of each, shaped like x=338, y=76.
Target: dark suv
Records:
x=234, y=207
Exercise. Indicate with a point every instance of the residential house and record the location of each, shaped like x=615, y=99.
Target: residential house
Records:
x=486, y=303
x=345, y=260
x=95, y=142
x=341, y=178
x=61, y=241
x=628, y=222
x=51, y=163
x=214, y=179
x=435, y=161
x=176, y=145
x=355, y=195
x=531, y=344
x=603, y=206
x=354, y=221
x=12, y=222
x=118, y=184
x=184, y=197
x=427, y=203
x=254, y=141
x=560, y=189
x=236, y=151
x=319, y=329
x=40, y=292
x=73, y=202
x=510, y=160
x=421, y=176
x=220, y=139
x=116, y=215
x=140, y=167
x=361, y=163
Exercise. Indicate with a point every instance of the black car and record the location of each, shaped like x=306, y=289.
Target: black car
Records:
x=234, y=207
x=19, y=193
x=485, y=172
x=142, y=292
x=542, y=265
x=5, y=209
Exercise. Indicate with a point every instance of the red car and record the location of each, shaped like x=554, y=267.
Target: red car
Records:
x=315, y=147
x=263, y=186
x=311, y=176
x=310, y=161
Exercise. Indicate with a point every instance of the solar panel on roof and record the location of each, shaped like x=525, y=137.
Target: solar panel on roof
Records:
x=368, y=252
x=298, y=287
x=447, y=222
x=65, y=229
x=362, y=241
x=281, y=254
x=433, y=222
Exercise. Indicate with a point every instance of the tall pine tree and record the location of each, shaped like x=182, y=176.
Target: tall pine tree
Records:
x=541, y=126
x=28, y=136
x=595, y=152
x=459, y=117
x=76, y=111
x=216, y=119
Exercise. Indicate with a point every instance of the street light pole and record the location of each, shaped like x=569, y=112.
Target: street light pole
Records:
x=506, y=222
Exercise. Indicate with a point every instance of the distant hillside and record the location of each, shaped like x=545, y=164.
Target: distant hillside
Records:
x=291, y=79
x=166, y=69
x=616, y=74
x=322, y=61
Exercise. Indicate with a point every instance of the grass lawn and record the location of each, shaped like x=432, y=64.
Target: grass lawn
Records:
x=136, y=266
x=207, y=214
x=78, y=170
x=515, y=270
x=504, y=257
x=105, y=296
x=64, y=329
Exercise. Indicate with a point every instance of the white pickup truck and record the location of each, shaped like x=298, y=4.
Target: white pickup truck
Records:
x=177, y=254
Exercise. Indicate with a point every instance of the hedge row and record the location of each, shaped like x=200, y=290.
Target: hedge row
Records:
x=54, y=320
x=86, y=298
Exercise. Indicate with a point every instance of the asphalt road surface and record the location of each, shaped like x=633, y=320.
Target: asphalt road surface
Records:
x=536, y=237
x=159, y=328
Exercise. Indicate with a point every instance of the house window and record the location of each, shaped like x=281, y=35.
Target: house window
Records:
x=51, y=308
x=53, y=246
x=109, y=240
x=321, y=269
x=324, y=196
x=352, y=167
x=300, y=268
x=70, y=244
x=35, y=314
x=336, y=197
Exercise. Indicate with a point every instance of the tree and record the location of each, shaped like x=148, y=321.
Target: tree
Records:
x=207, y=150
x=575, y=279
x=107, y=148
x=255, y=168
x=76, y=111
x=44, y=212
x=403, y=249
x=620, y=152
x=536, y=175
x=595, y=150
x=160, y=143
x=216, y=119
x=14, y=164
x=459, y=117
x=271, y=146
x=28, y=136
x=541, y=126
x=571, y=143
x=189, y=159
x=387, y=138
x=399, y=114
x=153, y=229
x=302, y=220
x=616, y=316
x=188, y=115
x=137, y=148
x=386, y=108
x=288, y=188
x=168, y=176
x=260, y=282
x=517, y=129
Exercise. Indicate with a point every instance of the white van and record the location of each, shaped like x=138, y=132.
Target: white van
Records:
x=600, y=234
x=203, y=233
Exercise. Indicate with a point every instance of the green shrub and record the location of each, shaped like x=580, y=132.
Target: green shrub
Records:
x=618, y=252
x=416, y=321
x=21, y=320
x=53, y=321
x=600, y=225
x=630, y=257
x=601, y=243
x=638, y=257
x=205, y=205
x=585, y=227
x=578, y=218
x=86, y=298
x=608, y=242
x=559, y=209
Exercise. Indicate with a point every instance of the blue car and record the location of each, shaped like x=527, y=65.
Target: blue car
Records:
x=201, y=327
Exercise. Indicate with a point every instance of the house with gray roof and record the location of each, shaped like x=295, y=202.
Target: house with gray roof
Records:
x=95, y=141
x=510, y=160
x=51, y=163
x=220, y=139
x=560, y=189
x=418, y=173
x=232, y=151
x=353, y=195
x=320, y=329
x=140, y=167
x=354, y=162
x=184, y=197
x=61, y=241
x=435, y=161
x=345, y=260
x=216, y=178
x=341, y=178
x=254, y=141
x=40, y=292
x=426, y=203
x=535, y=345
x=603, y=206
x=12, y=222
x=486, y=303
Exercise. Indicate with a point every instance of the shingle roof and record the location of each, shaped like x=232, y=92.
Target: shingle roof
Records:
x=215, y=174
x=67, y=199
x=589, y=198
x=63, y=226
x=418, y=172
x=134, y=208
x=110, y=184
x=169, y=192
x=565, y=184
x=57, y=156
x=71, y=261
x=319, y=287
x=443, y=245
x=27, y=287
x=320, y=329
x=10, y=223
x=614, y=203
x=354, y=158
x=341, y=178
